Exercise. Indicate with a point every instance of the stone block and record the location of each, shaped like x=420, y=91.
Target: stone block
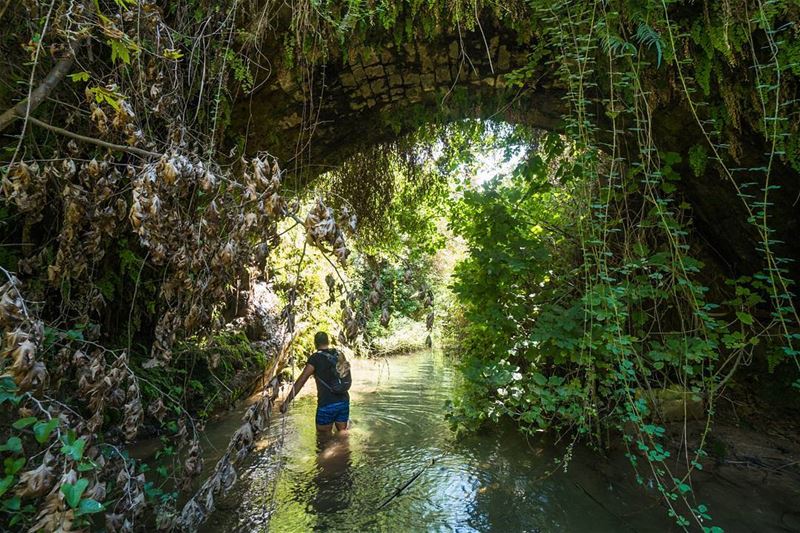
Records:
x=375, y=71
x=519, y=59
x=494, y=42
x=378, y=86
x=503, y=59
x=454, y=51
x=411, y=78
x=353, y=58
x=291, y=121
x=286, y=81
x=425, y=60
x=347, y=79
x=369, y=57
x=410, y=52
x=443, y=75
x=358, y=74
x=395, y=80
x=428, y=82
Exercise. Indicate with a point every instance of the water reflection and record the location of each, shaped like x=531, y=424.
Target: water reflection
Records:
x=332, y=481
x=497, y=481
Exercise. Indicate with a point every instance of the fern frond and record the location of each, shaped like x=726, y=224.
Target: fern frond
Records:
x=618, y=46
x=650, y=38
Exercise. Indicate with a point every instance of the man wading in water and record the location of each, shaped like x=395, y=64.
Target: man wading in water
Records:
x=331, y=371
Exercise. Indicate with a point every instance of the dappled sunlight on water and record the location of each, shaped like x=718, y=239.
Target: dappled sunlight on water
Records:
x=498, y=481
x=494, y=482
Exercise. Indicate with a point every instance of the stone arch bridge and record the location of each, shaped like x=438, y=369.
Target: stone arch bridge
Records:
x=315, y=121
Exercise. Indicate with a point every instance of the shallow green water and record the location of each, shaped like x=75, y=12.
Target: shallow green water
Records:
x=493, y=482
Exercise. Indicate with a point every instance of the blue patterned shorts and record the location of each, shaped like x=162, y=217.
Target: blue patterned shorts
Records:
x=333, y=412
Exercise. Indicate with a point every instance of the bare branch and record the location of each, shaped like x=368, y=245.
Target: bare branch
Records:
x=27, y=106
x=3, y=10
x=91, y=140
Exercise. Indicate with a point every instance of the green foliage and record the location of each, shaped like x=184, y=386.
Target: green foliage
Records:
x=73, y=447
x=618, y=46
x=119, y=51
x=650, y=38
x=241, y=71
x=19, y=449
x=571, y=310
x=8, y=390
x=583, y=299
x=398, y=205
x=106, y=95
x=73, y=492
x=204, y=376
x=79, y=76
x=528, y=72
x=698, y=159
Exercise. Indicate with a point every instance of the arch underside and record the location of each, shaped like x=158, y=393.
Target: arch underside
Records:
x=385, y=90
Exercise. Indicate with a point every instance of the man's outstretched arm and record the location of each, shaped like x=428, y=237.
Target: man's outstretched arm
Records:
x=298, y=384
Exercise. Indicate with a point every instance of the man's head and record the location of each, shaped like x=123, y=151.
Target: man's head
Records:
x=321, y=340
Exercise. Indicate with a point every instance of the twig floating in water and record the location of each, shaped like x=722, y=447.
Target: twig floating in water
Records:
x=400, y=489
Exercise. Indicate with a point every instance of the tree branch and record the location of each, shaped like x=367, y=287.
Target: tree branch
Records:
x=91, y=140
x=3, y=10
x=26, y=107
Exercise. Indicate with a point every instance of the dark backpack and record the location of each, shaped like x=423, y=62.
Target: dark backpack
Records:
x=338, y=384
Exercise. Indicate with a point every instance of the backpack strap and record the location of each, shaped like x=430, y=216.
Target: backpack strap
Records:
x=332, y=362
x=323, y=382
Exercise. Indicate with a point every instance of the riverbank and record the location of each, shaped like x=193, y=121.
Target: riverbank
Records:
x=757, y=459
x=405, y=336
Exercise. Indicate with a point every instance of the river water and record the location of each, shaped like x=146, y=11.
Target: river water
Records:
x=499, y=481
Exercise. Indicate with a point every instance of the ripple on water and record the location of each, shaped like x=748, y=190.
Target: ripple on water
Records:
x=496, y=482
x=398, y=430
